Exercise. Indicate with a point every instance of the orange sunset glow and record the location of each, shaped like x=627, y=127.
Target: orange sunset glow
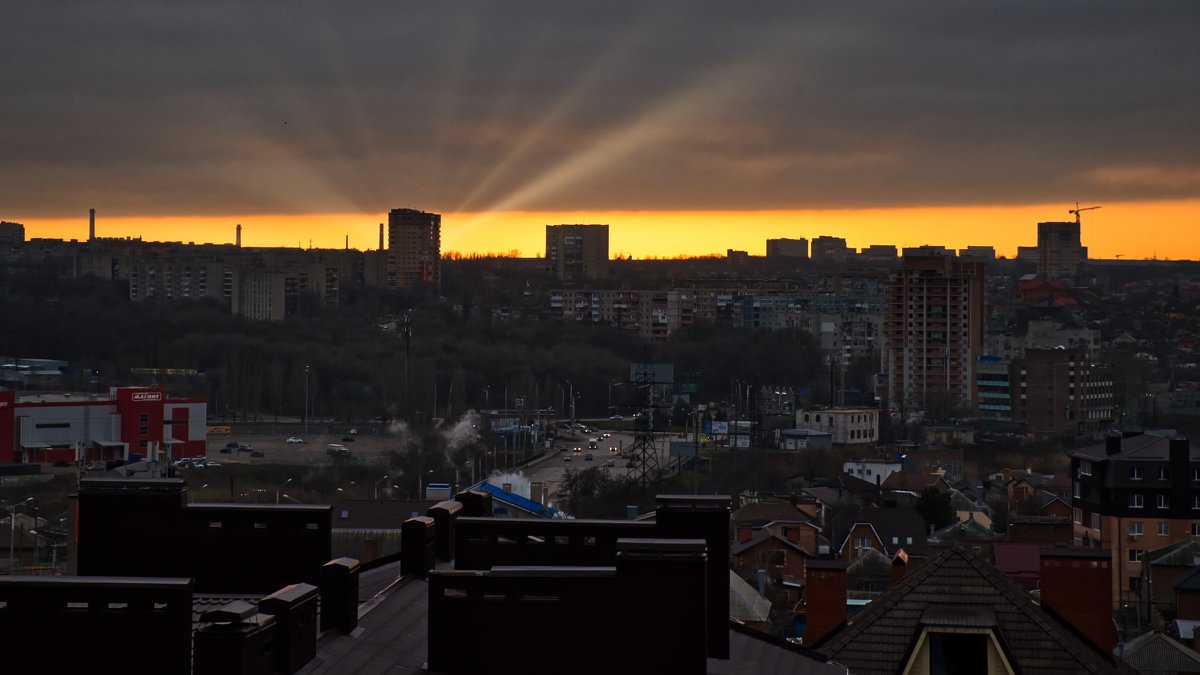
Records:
x=1131, y=230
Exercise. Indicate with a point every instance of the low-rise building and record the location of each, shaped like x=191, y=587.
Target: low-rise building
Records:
x=846, y=426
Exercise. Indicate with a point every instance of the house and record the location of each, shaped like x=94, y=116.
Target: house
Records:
x=969, y=533
x=957, y=613
x=1157, y=654
x=887, y=530
x=1019, y=562
x=1132, y=494
x=781, y=558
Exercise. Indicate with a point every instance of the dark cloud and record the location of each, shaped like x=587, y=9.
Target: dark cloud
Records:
x=219, y=107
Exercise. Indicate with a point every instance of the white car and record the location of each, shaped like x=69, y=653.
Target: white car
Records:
x=295, y=439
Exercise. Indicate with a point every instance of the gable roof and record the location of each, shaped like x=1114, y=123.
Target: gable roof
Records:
x=969, y=530
x=745, y=603
x=880, y=637
x=1040, y=501
x=1157, y=653
x=517, y=501
x=889, y=523
x=763, y=535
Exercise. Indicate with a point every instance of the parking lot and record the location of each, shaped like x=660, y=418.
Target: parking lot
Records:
x=363, y=448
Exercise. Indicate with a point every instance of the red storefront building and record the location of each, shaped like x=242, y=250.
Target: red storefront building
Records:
x=130, y=423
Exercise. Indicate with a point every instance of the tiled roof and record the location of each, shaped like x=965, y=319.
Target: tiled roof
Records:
x=391, y=638
x=745, y=603
x=770, y=511
x=879, y=638
x=755, y=653
x=1180, y=554
x=1038, y=502
x=1157, y=653
x=889, y=523
x=970, y=530
x=1015, y=560
x=762, y=535
x=1142, y=446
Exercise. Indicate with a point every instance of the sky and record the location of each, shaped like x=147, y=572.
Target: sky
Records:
x=689, y=126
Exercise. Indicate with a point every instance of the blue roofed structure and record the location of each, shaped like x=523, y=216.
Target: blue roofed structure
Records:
x=504, y=503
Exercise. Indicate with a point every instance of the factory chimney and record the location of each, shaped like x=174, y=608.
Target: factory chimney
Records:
x=91, y=224
x=381, y=236
x=239, y=235
x=347, y=242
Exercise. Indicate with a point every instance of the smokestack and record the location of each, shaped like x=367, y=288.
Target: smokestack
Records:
x=825, y=599
x=91, y=224
x=239, y=235
x=347, y=242
x=1077, y=586
x=381, y=236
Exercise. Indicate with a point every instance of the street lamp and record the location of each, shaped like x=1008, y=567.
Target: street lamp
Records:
x=292, y=499
x=280, y=489
x=306, y=369
x=487, y=395
x=572, y=395
x=611, y=384
x=343, y=489
x=12, y=535
x=377, y=484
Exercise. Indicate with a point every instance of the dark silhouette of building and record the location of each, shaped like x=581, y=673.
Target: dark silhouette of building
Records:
x=576, y=253
x=414, y=248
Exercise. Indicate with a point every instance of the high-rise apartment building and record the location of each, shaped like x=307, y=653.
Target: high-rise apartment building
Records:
x=414, y=248
x=577, y=253
x=1059, y=251
x=787, y=248
x=826, y=250
x=11, y=234
x=933, y=333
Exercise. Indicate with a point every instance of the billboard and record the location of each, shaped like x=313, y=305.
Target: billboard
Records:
x=719, y=428
x=683, y=449
x=658, y=373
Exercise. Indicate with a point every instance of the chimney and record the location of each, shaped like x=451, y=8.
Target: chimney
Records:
x=1112, y=444
x=381, y=236
x=239, y=235
x=899, y=567
x=535, y=492
x=1181, y=450
x=1077, y=587
x=507, y=487
x=825, y=599
x=91, y=224
x=347, y=242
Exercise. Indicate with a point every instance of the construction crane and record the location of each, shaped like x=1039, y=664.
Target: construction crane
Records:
x=1078, y=210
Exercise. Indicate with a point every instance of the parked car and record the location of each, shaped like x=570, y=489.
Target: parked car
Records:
x=617, y=418
x=257, y=453
x=245, y=447
x=226, y=450
x=347, y=439
x=295, y=439
x=353, y=432
x=232, y=445
x=211, y=464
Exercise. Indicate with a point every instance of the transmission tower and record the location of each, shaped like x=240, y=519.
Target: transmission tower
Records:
x=645, y=450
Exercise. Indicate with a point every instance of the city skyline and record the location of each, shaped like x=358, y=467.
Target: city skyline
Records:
x=931, y=122
x=1164, y=231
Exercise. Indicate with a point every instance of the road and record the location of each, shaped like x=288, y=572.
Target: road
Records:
x=551, y=471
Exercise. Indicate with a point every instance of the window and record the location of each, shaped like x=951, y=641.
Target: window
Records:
x=1135, y=501
x=1135, y=584
x=1096, y=521
x=1085, y=467
x=1135, y=528
x=1164, y=529
x=1196, y=501
x=1195, y=474
x=1077, y=515
x=1162, y=501
x=1164, y=473
x=144, y=417
x=1196, y=529
x=1075, y=489
x=1135, y=555
x=1135, y=473
x=142, y=431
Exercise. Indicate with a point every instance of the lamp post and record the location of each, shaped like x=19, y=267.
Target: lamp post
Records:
x=279, y=490
x=572, y=395
x=12, y=535
x=377, y=484
x=306, y=369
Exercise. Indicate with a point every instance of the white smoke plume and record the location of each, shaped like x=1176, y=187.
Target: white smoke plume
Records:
x=465, y=432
